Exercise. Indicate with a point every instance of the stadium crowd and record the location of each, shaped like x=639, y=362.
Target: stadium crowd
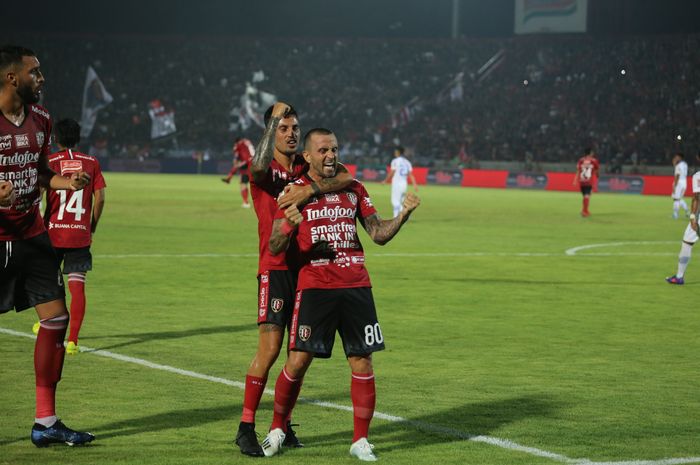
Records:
x=543, y=101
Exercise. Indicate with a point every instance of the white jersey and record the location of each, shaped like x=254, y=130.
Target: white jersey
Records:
x=696, y=182
x=402, y=168
x=681, y=171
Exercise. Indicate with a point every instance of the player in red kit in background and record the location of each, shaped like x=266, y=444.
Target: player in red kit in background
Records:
x=587, y=170
x=71, y=219
x=275, y=164
x=29, y=272
x=334, y=290
x=243, y=152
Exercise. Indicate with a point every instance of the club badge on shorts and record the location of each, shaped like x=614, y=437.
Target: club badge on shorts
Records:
x=276, y=305
x=304, y=332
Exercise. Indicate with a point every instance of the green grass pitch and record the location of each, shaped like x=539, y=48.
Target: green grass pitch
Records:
x=493, y=334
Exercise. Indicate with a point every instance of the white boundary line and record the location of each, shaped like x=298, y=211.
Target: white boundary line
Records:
x=575, y=250
x=498, y=442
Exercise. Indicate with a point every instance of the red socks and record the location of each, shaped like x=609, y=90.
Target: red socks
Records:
x=76, y=286
x=364, y=396
x=586, y=201
x=48, y=363
x=286, y=394
x=244, y=194
x=254, y=388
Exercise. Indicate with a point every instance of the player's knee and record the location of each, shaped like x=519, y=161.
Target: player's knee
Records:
x=297, y=363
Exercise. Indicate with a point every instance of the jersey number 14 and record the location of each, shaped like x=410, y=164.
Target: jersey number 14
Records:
x=72, y=204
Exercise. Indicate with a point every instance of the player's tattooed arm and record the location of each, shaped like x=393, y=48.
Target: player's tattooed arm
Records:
x=298, y=195
x=382, y=231
x=283, y=228
x=265, y=150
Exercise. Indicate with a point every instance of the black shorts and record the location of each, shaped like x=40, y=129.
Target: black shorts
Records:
x=29, y=274
x=276, y=297
x=319, y=313
x=245, y=179
x=586, y=190
x=75, y=260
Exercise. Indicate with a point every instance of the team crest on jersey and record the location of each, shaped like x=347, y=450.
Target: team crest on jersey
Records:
x=6, y=142
x=40, y=138
x=70, y=166
x=22, y=140
x=304, y=332
x=352, y=198
x=332, y=198
x=276, y=305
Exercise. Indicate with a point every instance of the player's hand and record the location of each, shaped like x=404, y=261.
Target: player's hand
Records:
x=411, y=202
x=7, y=193
x=280, y=110
x=293, y=216
x=78, y=180
x=294, y=194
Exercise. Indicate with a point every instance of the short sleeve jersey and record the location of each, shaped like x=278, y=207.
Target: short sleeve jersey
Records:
x=244, y=151
x=681, y=171
x=333, y=218
x=696, y=182
x=265, y=195
x=21, y=147
x=402, y=168
x=587, y=167
x=68, y=213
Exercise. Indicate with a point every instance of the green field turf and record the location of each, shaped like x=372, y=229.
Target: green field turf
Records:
x=492, y=330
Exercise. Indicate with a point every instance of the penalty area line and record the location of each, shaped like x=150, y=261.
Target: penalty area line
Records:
x=494, y=441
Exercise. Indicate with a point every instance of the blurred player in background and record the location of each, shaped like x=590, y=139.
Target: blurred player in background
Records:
x=30, y=275
x=680, y=183
x=587, y=170
x=71, y=219
x=274, y=165
x=243, y=152
x=334, y=292
x=399, y=172
x=690, y=236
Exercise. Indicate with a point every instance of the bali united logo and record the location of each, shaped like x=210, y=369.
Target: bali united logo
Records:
x=276, y=305
x=40, y=138
x=352, y=197
x=304, y=332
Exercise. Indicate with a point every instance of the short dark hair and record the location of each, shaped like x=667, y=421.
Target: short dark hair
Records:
x=12, y=55
x=587, y=151
x=400, y=149
x=680, y=154
x=268, y=113
x=311, y=132
x=67, y=132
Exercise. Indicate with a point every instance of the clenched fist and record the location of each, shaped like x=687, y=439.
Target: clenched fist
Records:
x=78, y=180
x=411, y=202
x=7, y=194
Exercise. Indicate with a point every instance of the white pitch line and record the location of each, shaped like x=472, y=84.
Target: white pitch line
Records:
x=575, y=250
x=494, y=441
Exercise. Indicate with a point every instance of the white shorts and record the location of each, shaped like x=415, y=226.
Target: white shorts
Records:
x=690, y=235
x=679, y=191
x=398, y=192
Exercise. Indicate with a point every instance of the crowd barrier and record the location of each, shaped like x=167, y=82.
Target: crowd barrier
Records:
x=552, y=181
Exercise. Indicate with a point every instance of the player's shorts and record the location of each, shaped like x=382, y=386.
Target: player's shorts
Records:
x=76, y=260
x=245, y=178
x=276, y=297
x=690, y=236
x=29, y=274
x=679, y=191
x=319, y=313
x=586, y=190
x=398, y=192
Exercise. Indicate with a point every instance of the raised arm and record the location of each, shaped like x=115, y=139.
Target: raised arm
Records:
x=282, y=229
x=265, y=150
x=298, y=195
x=382, y=231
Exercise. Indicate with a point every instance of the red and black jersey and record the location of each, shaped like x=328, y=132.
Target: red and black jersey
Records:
x=587, y=169
x=68, y=213
x=244, y=151
x=332, y=218
x=265, y=195
x=21, y=148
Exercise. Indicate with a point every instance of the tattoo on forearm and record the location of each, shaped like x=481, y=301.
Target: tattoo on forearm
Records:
x=265, y=149
x=382, y=231
x=278, y=241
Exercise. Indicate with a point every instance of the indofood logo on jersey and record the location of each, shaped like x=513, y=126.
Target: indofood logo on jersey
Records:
x=20, y=159
x=331, y=214
x=537, y=8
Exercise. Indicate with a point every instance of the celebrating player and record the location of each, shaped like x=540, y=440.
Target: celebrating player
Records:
x=400, y=170
x=274, y=165
x=690, y=236
x=680, y=180
x=30, y=275
x=243, y=152
x=587, y=170
x=71, y=219
x=334, y=291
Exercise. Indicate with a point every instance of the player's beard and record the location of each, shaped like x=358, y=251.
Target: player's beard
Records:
x=28, y=95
